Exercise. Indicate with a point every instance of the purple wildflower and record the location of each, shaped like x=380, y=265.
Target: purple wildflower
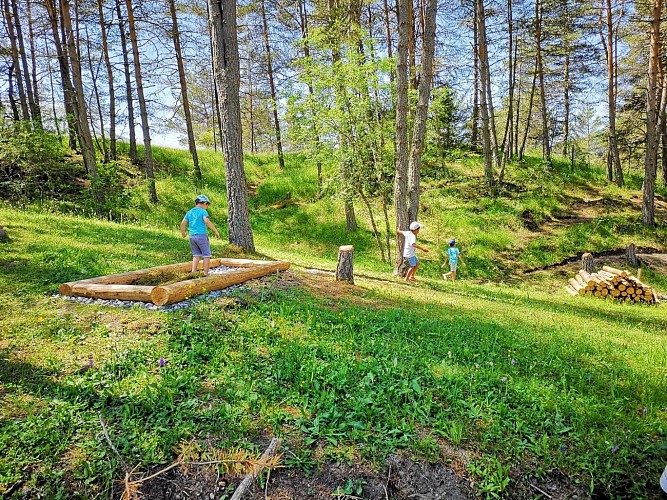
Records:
x=563, y=448
x=513, y=362
x=645, y=411
x=614, y=449
x=161, y=362
x=90, y=363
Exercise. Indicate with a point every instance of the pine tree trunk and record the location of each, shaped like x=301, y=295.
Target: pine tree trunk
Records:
x=614, y=156
x=650, y=164
x=272, y=86
x=303, y=16
x=222, y=14
x=35, y=115
x=176, y=36
x=474, y=136
x=143, y=110
x=531, y=99
x=63, y=64
x=419, y=131
x=401, y=169
x=128, y=85
x=33, y=60
x=25, y=110
x=110, y=79
x=52, y=89
x=486, y=107
x=101, y=145
x=83, y=126
x=546, y=142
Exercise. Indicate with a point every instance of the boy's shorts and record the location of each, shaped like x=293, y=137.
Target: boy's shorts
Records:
x=200, y=245
x=412, y=261
x=452, y=266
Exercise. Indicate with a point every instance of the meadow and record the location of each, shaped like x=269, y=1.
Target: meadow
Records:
x=503, y=366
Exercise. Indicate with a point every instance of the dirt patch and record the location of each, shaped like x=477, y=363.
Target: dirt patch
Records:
x=401, y=478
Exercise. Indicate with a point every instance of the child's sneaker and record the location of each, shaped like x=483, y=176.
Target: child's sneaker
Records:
x=444, y=277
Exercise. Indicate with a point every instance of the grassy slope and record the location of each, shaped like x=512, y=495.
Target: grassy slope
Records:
x=523, y=375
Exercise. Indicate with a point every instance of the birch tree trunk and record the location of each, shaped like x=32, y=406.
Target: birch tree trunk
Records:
x=143, y=110
x=222, y=15
x=35, y=115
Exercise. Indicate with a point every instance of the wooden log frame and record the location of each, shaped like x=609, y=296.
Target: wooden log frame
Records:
x=118, y=286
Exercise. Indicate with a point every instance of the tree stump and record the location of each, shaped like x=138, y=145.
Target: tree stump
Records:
x=344, y=269
x=587, y=263
x=631, y=255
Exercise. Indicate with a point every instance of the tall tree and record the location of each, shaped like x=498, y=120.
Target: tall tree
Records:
x=110, y=80
x=652, y=109
x=81, y=110
x=424, y=88
x=16, y=64
x=539, y=67
x=176, y=37
x=486, y=104
x=401, y=166
x=222, y=15
x=143, y=109
x=609, y=43
x=128, y=84
x=272, y=84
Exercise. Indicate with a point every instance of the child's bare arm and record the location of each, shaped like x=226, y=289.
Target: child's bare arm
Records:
x=183, y=224
x=212, y=227
x=420, y=248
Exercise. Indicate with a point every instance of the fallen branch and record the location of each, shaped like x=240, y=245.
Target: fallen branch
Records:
x=257, y=470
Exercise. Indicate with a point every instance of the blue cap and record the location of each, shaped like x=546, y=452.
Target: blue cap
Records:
x=452, y=242
x=202, y=198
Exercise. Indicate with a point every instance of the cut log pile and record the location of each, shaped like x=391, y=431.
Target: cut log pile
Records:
x=611, y=283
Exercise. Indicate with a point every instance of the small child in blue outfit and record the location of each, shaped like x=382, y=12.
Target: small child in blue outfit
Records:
x=454, y=255
x=197, y=219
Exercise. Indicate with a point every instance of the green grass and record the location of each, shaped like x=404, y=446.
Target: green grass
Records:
x=525, y=377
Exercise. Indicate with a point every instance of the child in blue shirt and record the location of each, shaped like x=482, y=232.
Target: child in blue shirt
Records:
x=197, y=219
x=454, y=256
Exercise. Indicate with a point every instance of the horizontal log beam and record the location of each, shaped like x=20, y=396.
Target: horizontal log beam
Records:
x=176, y=292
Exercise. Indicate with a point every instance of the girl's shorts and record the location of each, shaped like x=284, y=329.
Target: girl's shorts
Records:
x=412, y=261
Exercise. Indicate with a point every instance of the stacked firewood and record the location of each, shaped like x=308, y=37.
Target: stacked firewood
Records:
x=611, y=283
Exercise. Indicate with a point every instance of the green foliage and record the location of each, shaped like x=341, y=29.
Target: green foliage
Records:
x=33, y=166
